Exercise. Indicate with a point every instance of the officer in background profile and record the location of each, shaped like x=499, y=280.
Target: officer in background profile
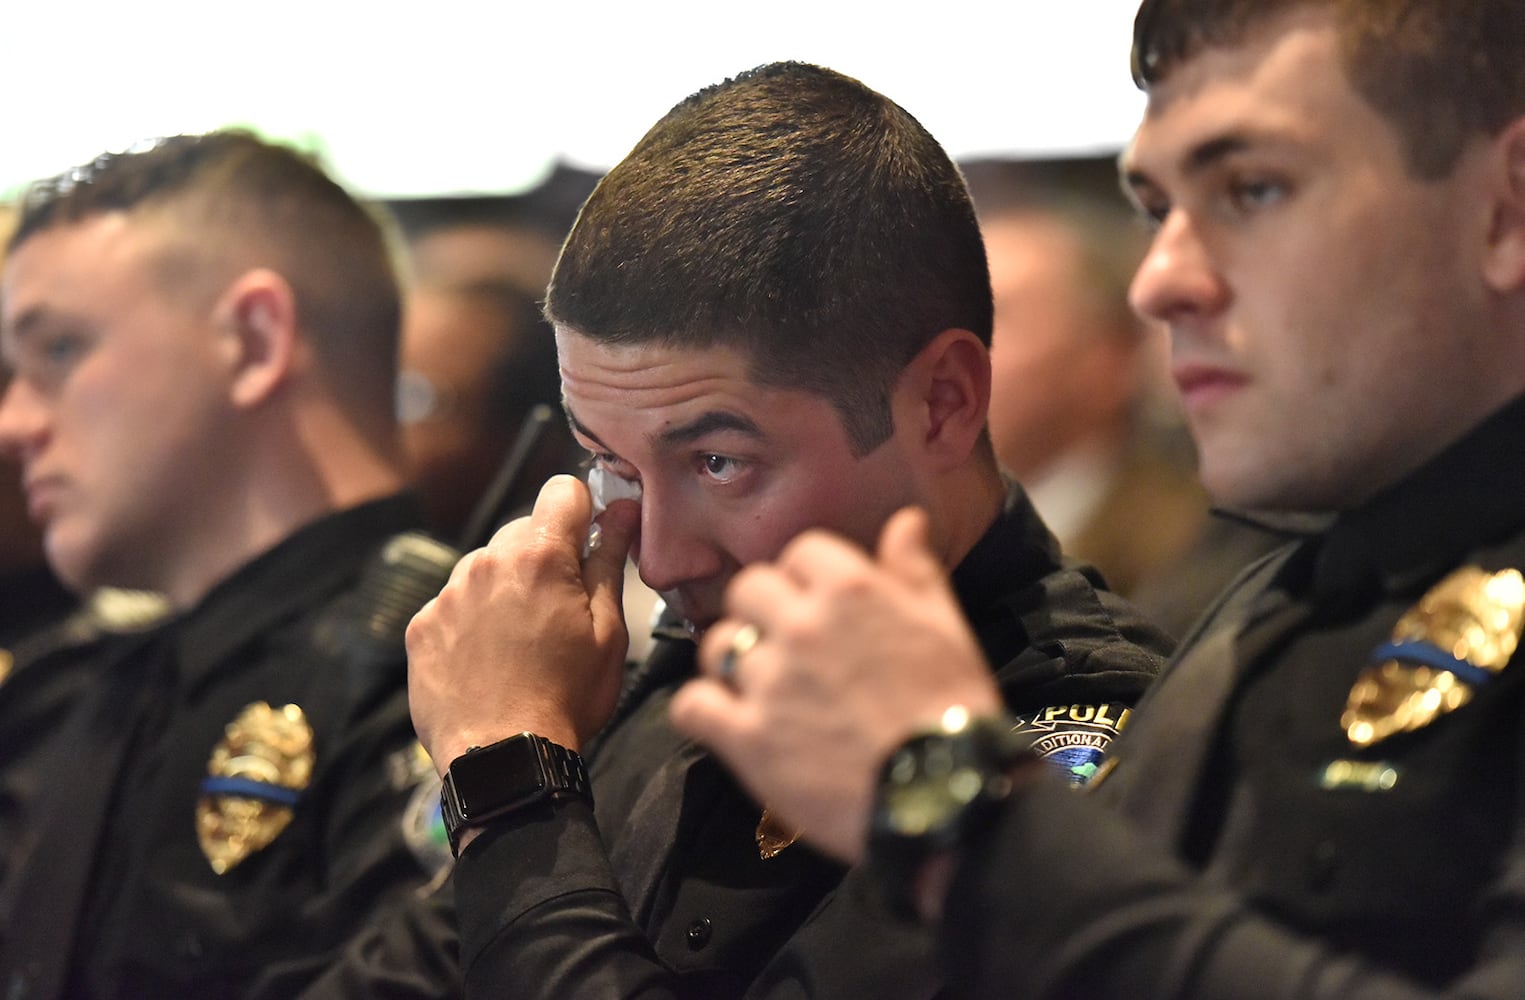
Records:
x=476, y=359
x=203, y=337
x=1073, y=370
x=30, y=596
x=1080, y=412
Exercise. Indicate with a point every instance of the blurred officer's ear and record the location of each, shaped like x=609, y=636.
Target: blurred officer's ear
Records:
x=258, y=318
x=1504, y=269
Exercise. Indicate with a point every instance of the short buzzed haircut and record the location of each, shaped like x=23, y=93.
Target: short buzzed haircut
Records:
x=236, y=202
x=1441, y=71
x=794, y=214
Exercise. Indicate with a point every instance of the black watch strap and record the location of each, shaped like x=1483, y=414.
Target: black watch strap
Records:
x=491, y=782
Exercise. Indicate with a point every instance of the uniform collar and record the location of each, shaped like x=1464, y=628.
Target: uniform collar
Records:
x=296, y=574
x=1467, y=496
x=1016, y=548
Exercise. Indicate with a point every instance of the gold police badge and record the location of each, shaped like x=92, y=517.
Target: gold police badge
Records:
x=1459, y=635
x=254, y=779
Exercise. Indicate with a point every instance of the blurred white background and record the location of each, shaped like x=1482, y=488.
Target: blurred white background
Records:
x=447, y=96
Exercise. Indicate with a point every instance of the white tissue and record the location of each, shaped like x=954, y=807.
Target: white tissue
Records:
x=606, y=488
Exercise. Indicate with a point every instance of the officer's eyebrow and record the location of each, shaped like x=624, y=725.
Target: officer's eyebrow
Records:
x=579, y=427
x=1206, y=154
x=711, y=422
x=1197, y=159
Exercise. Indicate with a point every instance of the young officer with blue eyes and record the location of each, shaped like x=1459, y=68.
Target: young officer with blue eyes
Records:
x=1322, y=796
x=773, y=315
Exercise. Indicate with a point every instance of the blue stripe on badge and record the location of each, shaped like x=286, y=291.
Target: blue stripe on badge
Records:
x=1429, y=655
x=250, y=789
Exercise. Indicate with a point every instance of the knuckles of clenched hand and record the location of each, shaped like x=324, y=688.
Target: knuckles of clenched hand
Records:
x=514, y=642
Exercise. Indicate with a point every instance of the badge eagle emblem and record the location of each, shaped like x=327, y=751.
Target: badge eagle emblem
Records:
x=1459, y=635
x=255, y=777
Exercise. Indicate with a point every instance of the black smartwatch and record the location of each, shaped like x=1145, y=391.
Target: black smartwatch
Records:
x=935, y=790
x=486, y=783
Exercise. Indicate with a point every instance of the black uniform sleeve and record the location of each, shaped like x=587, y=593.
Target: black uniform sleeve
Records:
x=409, y=953
x=541, y=915
x=1063, y=899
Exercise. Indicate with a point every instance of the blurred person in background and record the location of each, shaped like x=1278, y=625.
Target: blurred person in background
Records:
x=1073, y=368
x=476, y=359
x=203, y=336
x=508, y=239
x=1080, y=412
x=30, y=595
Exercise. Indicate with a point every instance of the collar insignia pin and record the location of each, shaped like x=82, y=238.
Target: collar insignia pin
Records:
x=773, y=836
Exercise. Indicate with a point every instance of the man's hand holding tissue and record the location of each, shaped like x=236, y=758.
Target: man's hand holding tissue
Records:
x=528, y=635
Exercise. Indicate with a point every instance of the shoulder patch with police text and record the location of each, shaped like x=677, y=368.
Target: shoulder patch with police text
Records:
x=423, y=821
x=1073, y=739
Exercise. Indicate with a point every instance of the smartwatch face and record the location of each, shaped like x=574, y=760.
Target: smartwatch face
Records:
x=489, y=780
x=929, y=784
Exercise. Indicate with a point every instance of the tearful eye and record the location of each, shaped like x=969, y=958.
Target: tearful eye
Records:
x=719, y=467
x=611, y=464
